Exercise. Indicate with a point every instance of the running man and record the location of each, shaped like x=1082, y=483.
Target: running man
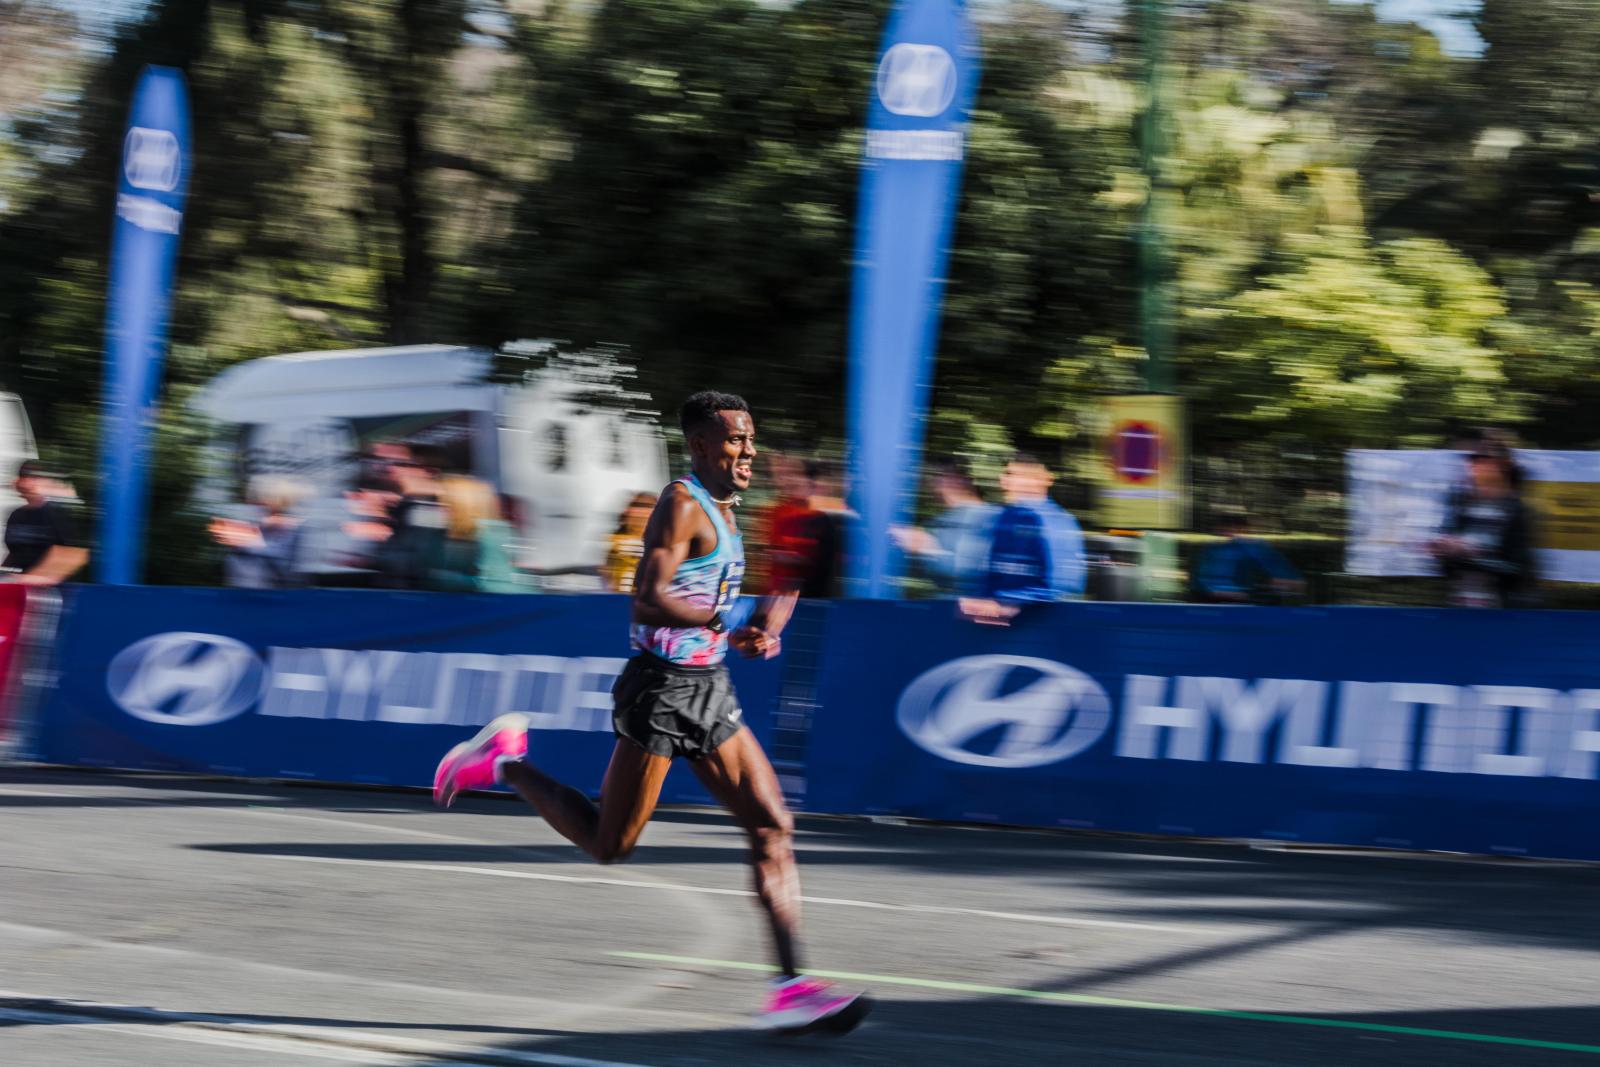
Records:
x=674, y=699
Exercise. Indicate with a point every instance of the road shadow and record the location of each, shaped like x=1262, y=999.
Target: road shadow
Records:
x=952, y=1031
x=71, y=1013
x=948, y=1032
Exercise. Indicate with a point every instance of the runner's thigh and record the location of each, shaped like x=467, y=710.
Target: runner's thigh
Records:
x=739, y=775
x=629, y=792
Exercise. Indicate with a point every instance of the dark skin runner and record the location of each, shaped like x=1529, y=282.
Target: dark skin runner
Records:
x=738, y=774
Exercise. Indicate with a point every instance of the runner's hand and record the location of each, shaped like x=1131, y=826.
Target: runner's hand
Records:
x=986, y=612
x=753, y=642
x=913, y=540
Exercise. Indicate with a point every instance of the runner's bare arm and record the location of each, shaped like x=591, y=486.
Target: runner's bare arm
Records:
x=668, y=538
x=772, y=615
x=758, y=639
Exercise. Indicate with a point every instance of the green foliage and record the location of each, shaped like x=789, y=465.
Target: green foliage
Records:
x=1373, y=241
x=1356, y=344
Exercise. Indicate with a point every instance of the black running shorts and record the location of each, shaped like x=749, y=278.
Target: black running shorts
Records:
x=672, y=711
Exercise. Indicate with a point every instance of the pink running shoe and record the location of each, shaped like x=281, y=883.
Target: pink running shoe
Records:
x=807, y=1005
x=471, y=764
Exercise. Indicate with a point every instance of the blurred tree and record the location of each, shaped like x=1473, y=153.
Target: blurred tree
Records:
x=1373, y=238
x=1042, y=275
x=1354, y=344
x=696, y=202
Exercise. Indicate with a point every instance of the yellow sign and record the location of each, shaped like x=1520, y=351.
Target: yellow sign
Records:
x=1145, y=483
x=1567, y=514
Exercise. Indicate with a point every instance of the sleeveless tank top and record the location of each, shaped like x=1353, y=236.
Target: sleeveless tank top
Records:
x=710, y=579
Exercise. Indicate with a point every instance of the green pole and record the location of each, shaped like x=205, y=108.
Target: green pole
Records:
x=1155, y=281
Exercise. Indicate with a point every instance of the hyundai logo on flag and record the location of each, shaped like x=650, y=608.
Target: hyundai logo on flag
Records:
x=185, y=679
x=151, y=159
x=1004, y=711
x=918, y=80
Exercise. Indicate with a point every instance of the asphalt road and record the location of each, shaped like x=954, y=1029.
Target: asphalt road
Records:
x=156, y=921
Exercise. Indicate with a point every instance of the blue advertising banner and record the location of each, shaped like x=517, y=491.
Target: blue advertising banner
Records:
x=344, y=686
x=150, y=192
x=1439, y=730
x=1415, y=729
x=910, y=183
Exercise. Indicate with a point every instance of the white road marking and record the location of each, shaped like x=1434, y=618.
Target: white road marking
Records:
x=575, y=879
x=41, y=793
x=353, y=1046
x=138, y=801
x=67, y=939
x=403, y=831
x=164, y=1032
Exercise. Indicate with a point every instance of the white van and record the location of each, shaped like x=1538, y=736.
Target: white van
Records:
x=554, y=445
x=16, y=445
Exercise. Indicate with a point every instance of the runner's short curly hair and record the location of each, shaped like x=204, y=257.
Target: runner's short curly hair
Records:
x=702, y=408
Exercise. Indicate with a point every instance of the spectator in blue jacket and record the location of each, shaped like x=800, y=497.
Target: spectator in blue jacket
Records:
x=953, y=550
x=1035, y=547
x=1243, y=569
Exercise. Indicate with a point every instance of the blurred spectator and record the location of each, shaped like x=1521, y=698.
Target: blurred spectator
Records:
x=627, y=543
x=1486, y=546
x=43, y=537
x=474, y=554
x=780, y=472
x=417, y=519
x=264, y=553
x=808, y=543
x=1467, y=441
x=1243, y=569
x=785, y=471
x=1036, y=549
x=952, y=551
x=367, y=524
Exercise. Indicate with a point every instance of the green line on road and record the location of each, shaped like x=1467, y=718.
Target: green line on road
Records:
x=1114, y=1002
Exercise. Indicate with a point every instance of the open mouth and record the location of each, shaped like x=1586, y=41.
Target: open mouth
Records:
x=742, y=470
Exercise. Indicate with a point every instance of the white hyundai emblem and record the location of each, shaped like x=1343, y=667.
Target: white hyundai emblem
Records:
x=918, y=80
x=151, y=160
x=1004, y=711
x=185, y=679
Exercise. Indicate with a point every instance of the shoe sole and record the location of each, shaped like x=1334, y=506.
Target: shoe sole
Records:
x=511, y=720
x=834, y=1024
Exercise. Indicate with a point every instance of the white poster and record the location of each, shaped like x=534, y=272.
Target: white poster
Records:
x=1397, y=504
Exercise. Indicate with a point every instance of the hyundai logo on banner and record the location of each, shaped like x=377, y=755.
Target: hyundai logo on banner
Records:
x=195, y=679
x=151, y=159
x=1015, y=711
x=917, y=80
x=1004, y=711
x=185, y=679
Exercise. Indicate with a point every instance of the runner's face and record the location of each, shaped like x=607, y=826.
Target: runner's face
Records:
x=728, y=450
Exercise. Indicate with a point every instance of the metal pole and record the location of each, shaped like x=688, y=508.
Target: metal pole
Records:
x=1155, y=281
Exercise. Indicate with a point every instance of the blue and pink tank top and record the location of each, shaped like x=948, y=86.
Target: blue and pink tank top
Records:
x=710, y=579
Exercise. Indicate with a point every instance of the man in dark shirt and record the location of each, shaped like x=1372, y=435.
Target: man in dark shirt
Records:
x=1486, y=549
x=418, y=519
x=42, y=538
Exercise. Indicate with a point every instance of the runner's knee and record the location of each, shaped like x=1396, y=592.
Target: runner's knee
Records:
x=774, y=836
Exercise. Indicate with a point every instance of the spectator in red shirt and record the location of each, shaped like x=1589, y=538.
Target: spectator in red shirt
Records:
x=808, y=542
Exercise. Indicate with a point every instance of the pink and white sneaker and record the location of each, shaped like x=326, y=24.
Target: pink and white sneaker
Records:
x=808, y=1005
x=473, y=764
